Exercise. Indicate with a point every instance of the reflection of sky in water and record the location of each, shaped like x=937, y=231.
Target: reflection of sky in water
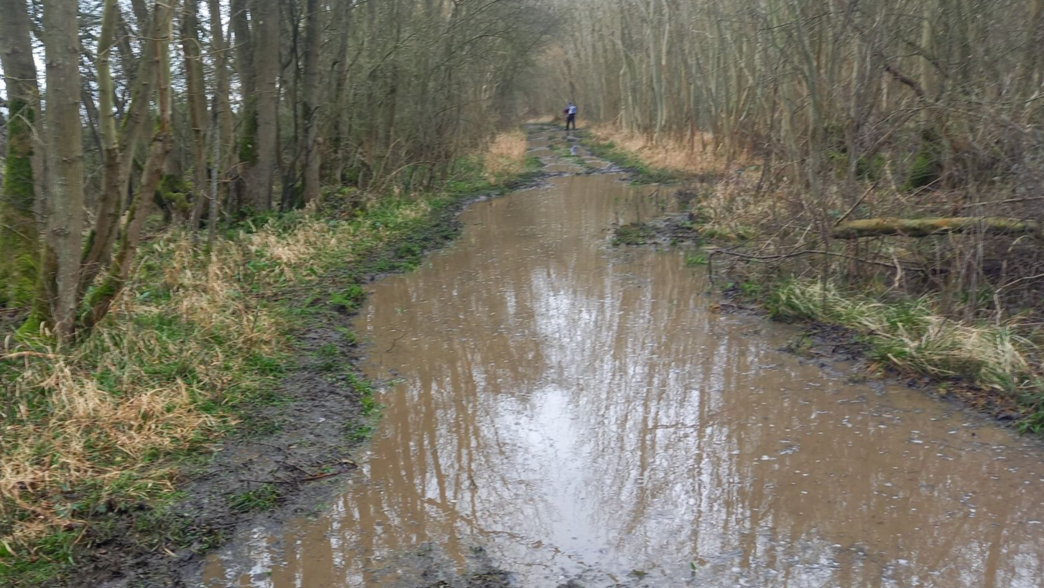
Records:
x=579, y=411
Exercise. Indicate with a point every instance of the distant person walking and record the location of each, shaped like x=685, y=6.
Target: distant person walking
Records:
x=570, y=112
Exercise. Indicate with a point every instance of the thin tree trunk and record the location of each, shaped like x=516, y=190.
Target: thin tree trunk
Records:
x=222, y=103
x=266, y=67
x=98, y=241
x=313, y=33
x=197, y=107
x=340, y=101
x=23, y=168
x=119, y=270
x=60, y=269
x=246, y=137
x=216, y=155
x=118, y=151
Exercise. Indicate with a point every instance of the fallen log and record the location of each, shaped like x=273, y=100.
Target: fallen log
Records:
x=926, y=227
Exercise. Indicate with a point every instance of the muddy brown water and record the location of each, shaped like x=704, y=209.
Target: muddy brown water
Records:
x=581, y=413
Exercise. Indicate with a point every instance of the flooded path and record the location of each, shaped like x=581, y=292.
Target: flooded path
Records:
x=579, y=413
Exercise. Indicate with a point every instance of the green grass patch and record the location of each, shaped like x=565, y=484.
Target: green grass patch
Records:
x=262, y=498
x=633, y=234
x=641, y=173
x=695, y=259
x=358, y=433
x=349, y=299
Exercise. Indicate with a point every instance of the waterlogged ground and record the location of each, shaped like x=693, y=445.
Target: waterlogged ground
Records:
x=566, y=411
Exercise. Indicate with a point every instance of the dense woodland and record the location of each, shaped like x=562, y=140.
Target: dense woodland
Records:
x=813, y=113
x=207, y=111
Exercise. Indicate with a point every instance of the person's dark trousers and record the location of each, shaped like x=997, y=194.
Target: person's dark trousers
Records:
x=571, y=120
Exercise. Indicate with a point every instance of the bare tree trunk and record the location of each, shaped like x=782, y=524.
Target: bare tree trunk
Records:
x=266, y=67
x=214, y=196
x=100, y=238
x=224, y=131
x=119, y=270
x=60, y=270
x=313, y=33
x=197, y=106
x=118, y=149
x=246, y=137
x=141, y=14
x=340, y=98
x=23, y=168
x=240, y=24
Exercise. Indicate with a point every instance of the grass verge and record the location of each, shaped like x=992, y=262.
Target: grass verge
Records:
x=911, y=336
x=670, y=160
x=99, y=434
x=640, y=171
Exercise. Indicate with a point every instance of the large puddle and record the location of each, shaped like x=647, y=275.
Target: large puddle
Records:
x=580, y=413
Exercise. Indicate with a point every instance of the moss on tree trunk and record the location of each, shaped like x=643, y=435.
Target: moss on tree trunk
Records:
x=925, y=227
x=19, y=234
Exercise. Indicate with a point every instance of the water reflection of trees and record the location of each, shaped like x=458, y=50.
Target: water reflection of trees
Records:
x=553, y=390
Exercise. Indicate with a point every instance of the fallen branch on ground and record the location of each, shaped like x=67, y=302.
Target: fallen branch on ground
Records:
x=21, y=354
x=766, y=258
x=926, y=227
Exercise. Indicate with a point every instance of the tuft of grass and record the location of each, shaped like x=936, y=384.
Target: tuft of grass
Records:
x=364, y=389
x=359, y=433
x=533, y=164
x=633, y=234
x=329, y=357
x=695, y=259
x=750, y=289
x=911, y=336
x=349, y=299
x=262, y=498
x=349, y=335
x=800, y=345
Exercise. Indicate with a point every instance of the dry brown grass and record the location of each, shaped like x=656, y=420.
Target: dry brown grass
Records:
x=670, y=154
x=730, y=205
x=506, y=156
x=186, y=343
x=733, y=208
x=911, y=335
x=106, y=409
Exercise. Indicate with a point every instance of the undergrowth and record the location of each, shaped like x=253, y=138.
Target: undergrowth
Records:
x=194, y=346
x=910, y=335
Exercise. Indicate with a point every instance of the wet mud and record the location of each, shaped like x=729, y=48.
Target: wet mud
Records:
x=562, y=412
